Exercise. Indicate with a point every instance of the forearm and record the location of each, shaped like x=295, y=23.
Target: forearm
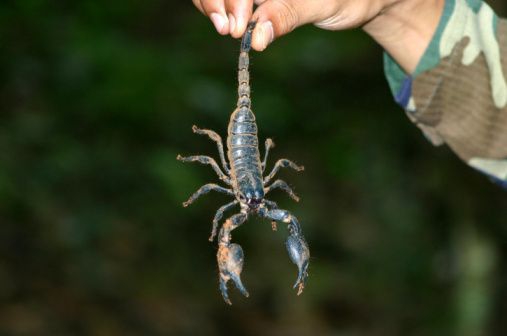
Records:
x=405, y=28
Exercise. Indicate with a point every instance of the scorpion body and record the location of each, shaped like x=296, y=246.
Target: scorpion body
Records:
x=242, y=142
x=243, y=173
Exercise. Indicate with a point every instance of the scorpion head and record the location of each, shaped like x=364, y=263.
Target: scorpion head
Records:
x=253, y=198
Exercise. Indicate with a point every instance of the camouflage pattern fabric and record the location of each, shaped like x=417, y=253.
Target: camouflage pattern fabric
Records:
x=458, y=93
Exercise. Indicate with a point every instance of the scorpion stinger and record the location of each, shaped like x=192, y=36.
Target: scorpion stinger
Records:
x=243, y=172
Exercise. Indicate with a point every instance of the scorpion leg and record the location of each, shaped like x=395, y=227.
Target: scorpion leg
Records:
x=206, y=160
x=230, y=257
x=206, y=189
x=218, y=217
x=268, y=145
x=282, y=163
x=215, y=137
x=280, y=184
x=297, y=247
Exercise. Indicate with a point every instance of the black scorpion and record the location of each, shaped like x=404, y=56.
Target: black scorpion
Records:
x=247, y=185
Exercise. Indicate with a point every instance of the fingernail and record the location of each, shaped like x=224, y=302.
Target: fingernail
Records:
x=218, y=20
x=240, y=22
x=232, y=23
x=268, y=34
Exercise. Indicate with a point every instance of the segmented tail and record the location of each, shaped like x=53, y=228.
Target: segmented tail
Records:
x=243, y=74
x=246, y=41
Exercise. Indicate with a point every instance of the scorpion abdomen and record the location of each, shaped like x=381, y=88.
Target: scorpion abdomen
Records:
x=243, y=152
x=242, y=141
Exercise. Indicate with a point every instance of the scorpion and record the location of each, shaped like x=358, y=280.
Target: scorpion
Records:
x=244, y=176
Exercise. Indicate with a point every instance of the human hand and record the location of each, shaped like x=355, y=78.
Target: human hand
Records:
x=402, y=27
x=278, y=17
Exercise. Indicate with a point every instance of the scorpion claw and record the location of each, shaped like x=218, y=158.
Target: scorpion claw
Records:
x=301, y=280
x=223, y=290
x=230, y=263
x=299, y=254
x=239, y=285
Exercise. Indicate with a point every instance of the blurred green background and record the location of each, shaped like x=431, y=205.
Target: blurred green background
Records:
x=97, y=98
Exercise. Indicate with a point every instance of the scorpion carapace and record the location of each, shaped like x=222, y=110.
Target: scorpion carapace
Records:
x=243, y=174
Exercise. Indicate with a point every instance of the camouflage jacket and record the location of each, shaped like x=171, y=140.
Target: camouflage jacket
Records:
x=458, y=92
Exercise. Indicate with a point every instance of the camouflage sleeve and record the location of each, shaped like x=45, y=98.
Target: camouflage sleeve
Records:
x=458, y=93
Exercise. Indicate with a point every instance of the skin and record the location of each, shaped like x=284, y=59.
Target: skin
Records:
x=403, y=28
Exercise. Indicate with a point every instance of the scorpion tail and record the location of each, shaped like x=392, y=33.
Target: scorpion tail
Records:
x=243, y=64
x=246, y=41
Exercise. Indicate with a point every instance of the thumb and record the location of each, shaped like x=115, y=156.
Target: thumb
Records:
x=279, y=17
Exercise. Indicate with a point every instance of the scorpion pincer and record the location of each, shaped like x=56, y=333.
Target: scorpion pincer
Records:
x=243, y=173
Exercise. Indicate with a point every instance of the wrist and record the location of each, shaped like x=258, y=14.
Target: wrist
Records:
x=405, y=28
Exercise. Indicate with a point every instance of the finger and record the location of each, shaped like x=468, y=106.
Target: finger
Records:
x=197, y=3
x=239, y=13
x=279, y=17
x=216, y=11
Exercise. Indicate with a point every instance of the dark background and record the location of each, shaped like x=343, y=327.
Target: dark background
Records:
x=98, y=97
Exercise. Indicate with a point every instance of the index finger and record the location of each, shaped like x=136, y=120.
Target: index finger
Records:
x=215, y=10
x=197, y=3
x=239, y=13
